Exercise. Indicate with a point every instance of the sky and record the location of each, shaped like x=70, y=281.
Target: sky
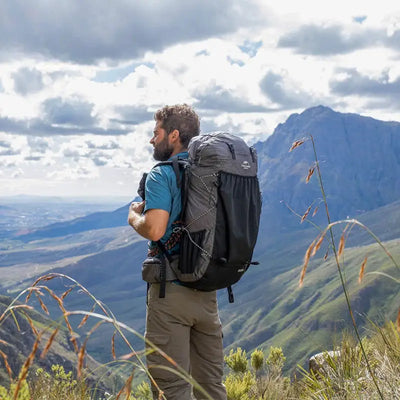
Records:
x=80, y=80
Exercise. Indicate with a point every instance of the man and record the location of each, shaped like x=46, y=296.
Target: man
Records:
x=185, y=323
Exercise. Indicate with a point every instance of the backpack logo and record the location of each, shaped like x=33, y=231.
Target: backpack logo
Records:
x=245, y=165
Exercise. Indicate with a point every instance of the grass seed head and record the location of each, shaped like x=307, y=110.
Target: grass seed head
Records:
x=113, y=346
x=81, y=358
x=66, y=293
x=305, y=263
x=6, y=364
x=319, y=243
x=361, y=274
x=48, y=344
x=26, y=366
x=296, y=144
x=310, y=174
x=398, y=321
x=341, y=245
x=305, y=214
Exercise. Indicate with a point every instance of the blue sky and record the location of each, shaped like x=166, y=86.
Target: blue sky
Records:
x=80, y=80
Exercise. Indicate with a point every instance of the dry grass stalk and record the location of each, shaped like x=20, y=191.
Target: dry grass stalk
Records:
x=31, y=290
x=129, y=355
x=44, y=308
x=65, y=315
x=85, y=318
x=398, y=321
x=160, y=394
x=315, y=211
x=26, y=366
x=361, y=274
x=342, y=241
x=305, y=214
x=66, y=293
x=44, y=278
x=326, y=254
x=4, y=342
x=83, y=322
x=25, y=306
x=319, y=243
x=113, y=346
x=6, y=364
x=305, y=263
x=75, y=343
x=29, y=319
x=126, y=388
x=81, y=358
x=49, y=343
x=295, y=144
x=310, y=174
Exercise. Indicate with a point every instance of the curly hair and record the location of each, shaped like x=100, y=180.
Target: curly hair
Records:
x=181, y=117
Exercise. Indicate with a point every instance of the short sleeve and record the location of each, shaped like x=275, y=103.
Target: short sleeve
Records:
x=158, y=194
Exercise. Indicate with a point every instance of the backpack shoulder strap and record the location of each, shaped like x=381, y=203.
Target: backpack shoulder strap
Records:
x=177, y=164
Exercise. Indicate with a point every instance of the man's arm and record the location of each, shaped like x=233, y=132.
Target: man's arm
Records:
x=152, y=225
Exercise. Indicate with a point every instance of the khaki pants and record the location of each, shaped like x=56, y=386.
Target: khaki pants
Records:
x=186, y=326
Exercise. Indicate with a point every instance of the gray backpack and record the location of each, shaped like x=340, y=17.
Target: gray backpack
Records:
x=221, y=207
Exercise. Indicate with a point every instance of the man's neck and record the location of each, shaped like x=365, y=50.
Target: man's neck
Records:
x=177, y=151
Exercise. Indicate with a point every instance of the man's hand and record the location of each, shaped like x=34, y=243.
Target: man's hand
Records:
x=135, y=211
x=137, y=207
x=152, y=225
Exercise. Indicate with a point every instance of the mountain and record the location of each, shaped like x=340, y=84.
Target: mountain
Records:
x=360, y=162
x=359, y=159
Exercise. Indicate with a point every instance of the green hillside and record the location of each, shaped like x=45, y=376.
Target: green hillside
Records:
x=310, y=319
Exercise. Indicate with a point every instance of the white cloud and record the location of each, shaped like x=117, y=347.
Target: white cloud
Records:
x=86, y=123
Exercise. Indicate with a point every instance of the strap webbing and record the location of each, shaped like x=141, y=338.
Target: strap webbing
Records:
x=175, y=166
x=230, y=294
x=163, y=268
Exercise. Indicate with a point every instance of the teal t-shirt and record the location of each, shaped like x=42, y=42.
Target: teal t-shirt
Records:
x=163, y=193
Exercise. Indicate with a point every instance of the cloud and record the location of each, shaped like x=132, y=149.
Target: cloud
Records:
x=132, y=115
x=5, y=144
x=250, y=47
x=275, y=88
x=360, y=19
x=1, y=87
x=40, y=127
x=115, y=30
x=27, y=81
x=354, y=83
x=68, y=112
x=10, y=152
x=393, y=40
x=38, y=145
x=328, y=40
x=111, y=145
x=33, y=158
x=221, y=99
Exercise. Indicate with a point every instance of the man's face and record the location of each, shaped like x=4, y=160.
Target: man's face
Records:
x=162, y=148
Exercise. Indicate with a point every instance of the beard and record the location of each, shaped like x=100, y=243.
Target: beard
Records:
x=162, y=151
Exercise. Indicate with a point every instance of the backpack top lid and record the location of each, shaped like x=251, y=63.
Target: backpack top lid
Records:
x=222, y=151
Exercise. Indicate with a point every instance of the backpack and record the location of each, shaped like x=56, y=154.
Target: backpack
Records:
x=221, y=207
